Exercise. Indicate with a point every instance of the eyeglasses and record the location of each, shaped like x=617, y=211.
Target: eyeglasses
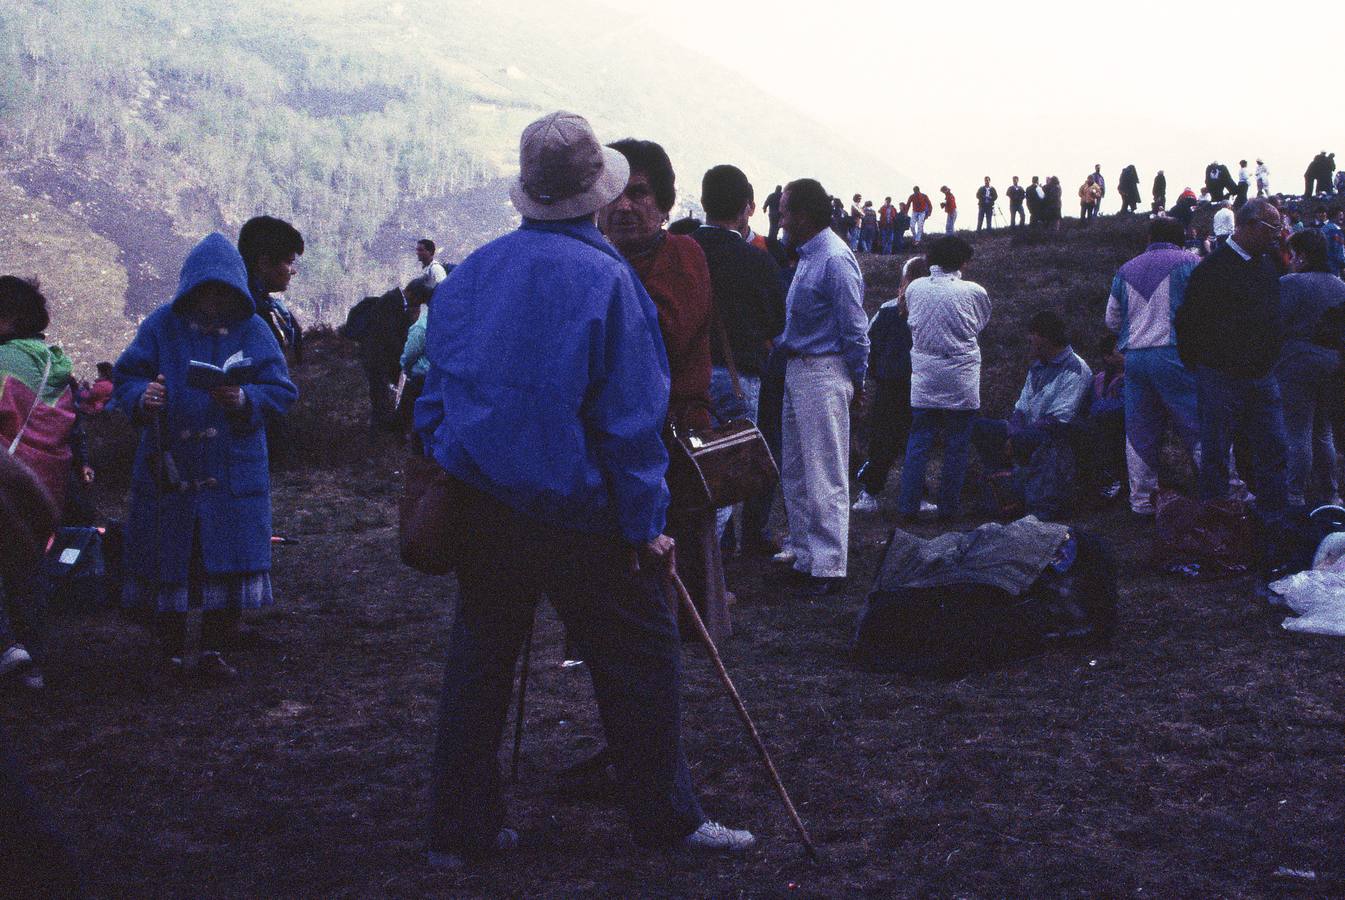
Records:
x=1273, y=227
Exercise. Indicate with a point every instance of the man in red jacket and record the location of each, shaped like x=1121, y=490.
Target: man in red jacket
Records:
x=919, y=206
x=948, y=205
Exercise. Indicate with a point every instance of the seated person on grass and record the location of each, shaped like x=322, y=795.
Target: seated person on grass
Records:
x=1100, y=435
x=1053, y=395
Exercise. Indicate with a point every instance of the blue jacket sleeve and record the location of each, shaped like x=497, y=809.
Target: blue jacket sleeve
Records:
x=137, y=366
x=625, y=409
x=271, y=392
x=845, y=285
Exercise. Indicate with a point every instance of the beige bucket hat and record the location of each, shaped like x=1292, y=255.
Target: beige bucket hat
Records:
x=564, y=172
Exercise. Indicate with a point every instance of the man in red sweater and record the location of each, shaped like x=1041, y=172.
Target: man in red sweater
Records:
x=919, y=206
x=949, y=205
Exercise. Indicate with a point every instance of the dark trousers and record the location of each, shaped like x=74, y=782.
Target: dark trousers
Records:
x=217, y=627
x=382, y=414
x=621, y=625
x=984, y=214
x=1248, y=408
x=1016, y=215
x=775, y=228
x=1241, y=196
x=998, y=448
x=889, y=426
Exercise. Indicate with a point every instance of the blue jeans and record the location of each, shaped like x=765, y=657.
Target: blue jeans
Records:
x=952, y=220
x=956, y=426
x=1306, y=375
x=985, y=214
x=1230, y=405
x=1159, y=391
x=889, y=235
x=1016, y=216
x=725, y=406
x=621, y=624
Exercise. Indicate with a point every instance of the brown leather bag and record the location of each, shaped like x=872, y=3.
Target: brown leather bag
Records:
x=716, y=467
x=430, y=533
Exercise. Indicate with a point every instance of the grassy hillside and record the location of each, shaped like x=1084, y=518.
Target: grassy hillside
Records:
x=1192, y=756
x=79, y=271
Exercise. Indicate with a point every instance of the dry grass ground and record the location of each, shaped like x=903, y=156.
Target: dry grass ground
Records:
x=1194, y=755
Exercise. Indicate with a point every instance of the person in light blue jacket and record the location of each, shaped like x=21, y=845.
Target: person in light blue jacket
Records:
x=199, y=528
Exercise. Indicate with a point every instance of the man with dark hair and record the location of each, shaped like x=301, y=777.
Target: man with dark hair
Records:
x=434, y=271
x=946, y=314
x=1034, y=198
x=887, y=220
x=1145, y=296
x=986, y=195
x=1053, y=395
x=270, y=247
x=919, y=207
x=1219, y=182
x=749, y=313
x=1229, y=332
x=771, y=205
x=1017, y=194
x=1244, y=184
x=827, y=344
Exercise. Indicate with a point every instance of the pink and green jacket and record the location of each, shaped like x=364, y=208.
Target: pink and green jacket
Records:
x=45, y=445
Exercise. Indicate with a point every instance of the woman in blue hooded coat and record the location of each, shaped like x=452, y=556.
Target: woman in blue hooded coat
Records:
x=199, y=528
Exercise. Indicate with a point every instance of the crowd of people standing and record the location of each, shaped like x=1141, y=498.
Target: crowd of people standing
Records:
x=544, y=377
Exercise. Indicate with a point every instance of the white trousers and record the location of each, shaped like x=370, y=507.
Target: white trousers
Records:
x=815, y=455
x=918, y=226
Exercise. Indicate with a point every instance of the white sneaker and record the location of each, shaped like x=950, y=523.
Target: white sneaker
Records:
x=867, y=503
x=715, y=838
x=15, y=657
x=785, y=557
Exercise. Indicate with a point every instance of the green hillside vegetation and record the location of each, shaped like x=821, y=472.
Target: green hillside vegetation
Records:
x=77, y=269
x=228, y=113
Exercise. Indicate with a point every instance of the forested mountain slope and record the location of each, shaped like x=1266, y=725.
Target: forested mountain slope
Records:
x=367, y=124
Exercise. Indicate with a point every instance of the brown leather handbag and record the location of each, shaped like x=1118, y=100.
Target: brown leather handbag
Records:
x=429, y=528
x=716, y=467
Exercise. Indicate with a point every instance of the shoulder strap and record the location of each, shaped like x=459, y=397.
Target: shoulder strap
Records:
x=42, y=386
x=720, y=332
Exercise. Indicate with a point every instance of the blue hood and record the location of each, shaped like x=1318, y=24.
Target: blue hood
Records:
x=215, y=259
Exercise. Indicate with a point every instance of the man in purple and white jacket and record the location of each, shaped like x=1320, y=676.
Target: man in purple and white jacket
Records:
x=1145, y=296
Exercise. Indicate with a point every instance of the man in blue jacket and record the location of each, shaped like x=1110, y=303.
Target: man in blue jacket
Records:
x=545, y=398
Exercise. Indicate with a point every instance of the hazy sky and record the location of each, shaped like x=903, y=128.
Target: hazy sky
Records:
x=949, y=92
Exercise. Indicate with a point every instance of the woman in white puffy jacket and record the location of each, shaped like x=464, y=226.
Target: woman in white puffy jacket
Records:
x=946, y=316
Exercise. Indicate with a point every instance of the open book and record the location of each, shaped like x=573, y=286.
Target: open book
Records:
x=237, y=370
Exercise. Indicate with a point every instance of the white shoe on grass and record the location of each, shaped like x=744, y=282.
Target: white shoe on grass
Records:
x=866, y=503
x=711, y=837
x=14, y=658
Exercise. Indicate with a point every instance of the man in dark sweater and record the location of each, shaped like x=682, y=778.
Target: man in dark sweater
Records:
x=1229, y=333
x=749, y=305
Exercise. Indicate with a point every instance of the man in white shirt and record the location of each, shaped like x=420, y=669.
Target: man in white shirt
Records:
x=433, y=271
x=1262, y=178
x=1244, y=182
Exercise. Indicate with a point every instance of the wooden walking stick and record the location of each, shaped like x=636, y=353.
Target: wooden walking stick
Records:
x=689, y=605
x=522, y=694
